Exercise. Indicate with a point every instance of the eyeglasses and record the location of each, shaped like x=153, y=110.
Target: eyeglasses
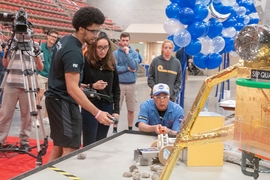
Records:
x=101, y=48
x=55, y=37
x=161, y=97
x=93, y=31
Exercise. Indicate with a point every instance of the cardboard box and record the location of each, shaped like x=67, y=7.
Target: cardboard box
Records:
x=206, y=154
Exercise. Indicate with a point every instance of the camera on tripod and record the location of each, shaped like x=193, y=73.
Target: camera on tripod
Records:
x=21, y=24
x=22, y=32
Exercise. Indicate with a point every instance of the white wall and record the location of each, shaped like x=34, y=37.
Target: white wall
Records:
x=126, y=12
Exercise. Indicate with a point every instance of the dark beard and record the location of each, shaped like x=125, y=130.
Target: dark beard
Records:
x=90, y=43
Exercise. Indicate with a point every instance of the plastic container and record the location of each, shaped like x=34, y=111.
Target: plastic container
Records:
x=252, y=116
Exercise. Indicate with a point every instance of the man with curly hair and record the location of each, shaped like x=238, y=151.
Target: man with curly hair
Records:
x=64, y=94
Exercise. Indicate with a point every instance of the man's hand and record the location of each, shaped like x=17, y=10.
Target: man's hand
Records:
x=157, y=128
x=126, y=49
x=116, y=115
x=131, y=70
x=104, y=118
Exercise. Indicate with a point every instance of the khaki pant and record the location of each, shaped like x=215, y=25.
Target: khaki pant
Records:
x=10, y=98
x=128, y=91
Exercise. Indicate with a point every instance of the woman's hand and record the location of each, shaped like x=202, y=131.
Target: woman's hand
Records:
x=82, y=86
x=100, y=85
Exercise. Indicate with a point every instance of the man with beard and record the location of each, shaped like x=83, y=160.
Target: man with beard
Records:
x=64, y=94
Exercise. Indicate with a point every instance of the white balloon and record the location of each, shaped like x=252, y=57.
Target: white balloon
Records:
x=241, y=10
x=247, y=19
x=235, y=5
x=172, y=25
x=228, y=32
x=218, y=44
x=203, y=2
x=182, y=38
x=207, y=45
x=227, y=2
x=254, y=15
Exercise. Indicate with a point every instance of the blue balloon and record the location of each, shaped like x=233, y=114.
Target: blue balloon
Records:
x=215, y=28
x=233, y=13
x=200, y=12
x=219, y=7
x=246, y=4
x=240, y=18
x=194, y=47
x=196, y=29
x=176, y=48
x=187, y=3
x=253, y=21
x=174, y=1
x=252, y=9
x=172, y=10
x=213, y=61
x=200, y=61
x=230, y=22
x=186, y=15
x=239, y=26
x=229, y=45
x=227, y=10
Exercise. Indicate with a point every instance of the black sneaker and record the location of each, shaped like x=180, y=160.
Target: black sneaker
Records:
x=24, y=147
x=114, y=132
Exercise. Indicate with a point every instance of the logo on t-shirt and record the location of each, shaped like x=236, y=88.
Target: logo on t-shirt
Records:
x=75, y=65
x=58, y=45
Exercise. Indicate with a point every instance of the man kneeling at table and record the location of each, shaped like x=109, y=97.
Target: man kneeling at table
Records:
x=160, y=113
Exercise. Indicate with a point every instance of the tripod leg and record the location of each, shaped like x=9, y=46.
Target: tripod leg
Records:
x=31, y=88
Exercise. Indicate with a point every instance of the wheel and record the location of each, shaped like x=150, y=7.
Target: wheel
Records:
x=164, y=154
x=154, y=144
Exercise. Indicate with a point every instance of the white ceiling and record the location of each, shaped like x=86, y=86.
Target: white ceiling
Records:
x=146, y=32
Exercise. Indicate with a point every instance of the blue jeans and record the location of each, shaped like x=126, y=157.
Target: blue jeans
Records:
x=92, y=130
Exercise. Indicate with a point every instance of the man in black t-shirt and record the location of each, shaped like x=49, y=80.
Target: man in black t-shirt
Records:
x=64, y=94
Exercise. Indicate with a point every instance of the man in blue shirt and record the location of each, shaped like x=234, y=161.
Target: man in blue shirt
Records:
x=127, y=65
x=160, y=112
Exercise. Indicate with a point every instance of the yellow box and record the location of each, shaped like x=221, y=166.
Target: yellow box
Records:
x=206, y=154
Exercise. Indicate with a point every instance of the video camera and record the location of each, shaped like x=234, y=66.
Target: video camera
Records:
x=22, y=32
x=21, y=24
x=19, y=21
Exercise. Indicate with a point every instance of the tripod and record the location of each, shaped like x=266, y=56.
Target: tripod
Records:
x=21, y=50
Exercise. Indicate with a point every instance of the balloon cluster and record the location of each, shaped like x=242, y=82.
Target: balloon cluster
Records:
x=207, y=28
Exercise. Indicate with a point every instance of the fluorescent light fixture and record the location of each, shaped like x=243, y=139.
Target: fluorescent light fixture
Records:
x=160, y=42
x=141, y=42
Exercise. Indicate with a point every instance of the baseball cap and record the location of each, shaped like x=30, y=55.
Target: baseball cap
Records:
x=161, y=88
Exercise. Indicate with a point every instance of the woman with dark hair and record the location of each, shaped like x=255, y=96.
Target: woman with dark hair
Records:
x=100, y=73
